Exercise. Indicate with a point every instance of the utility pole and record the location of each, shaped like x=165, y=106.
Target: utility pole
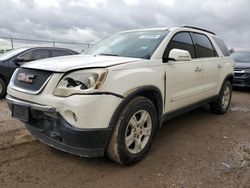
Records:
x=12, y=42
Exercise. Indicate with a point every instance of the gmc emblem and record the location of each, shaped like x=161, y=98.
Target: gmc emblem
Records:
x=23, y=77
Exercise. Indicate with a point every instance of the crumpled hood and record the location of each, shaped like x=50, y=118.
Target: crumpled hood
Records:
x=242, y=65
x=68, y=63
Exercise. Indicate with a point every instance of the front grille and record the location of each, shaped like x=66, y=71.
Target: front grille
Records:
x=38, y=81
x=238, y=74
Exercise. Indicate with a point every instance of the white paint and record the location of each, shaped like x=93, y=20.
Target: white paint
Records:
x=184, y=85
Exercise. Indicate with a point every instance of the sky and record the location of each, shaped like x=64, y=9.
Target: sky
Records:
x=87, y=21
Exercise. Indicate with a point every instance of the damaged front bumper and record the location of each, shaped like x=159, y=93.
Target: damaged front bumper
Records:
x=48, y=126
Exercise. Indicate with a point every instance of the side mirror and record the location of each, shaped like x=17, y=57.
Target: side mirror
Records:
x=179, y=55
x=19, y=61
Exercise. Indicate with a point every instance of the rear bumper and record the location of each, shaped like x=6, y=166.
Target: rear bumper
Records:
x=48, y=126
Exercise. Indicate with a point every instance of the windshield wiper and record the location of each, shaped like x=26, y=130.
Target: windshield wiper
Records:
x=108, y=54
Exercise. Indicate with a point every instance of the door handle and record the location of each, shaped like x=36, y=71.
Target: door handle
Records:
x=219, y=66
x=198, y=69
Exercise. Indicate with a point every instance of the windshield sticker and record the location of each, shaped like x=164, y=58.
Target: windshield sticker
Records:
x=144, y=47
x=149, y=36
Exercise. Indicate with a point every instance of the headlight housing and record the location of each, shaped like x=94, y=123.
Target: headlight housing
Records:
x=80, y=82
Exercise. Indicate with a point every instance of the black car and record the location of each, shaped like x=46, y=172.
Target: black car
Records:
x=11, y=60
x=242, y=68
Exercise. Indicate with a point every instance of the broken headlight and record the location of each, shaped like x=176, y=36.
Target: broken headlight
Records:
x=80, y=82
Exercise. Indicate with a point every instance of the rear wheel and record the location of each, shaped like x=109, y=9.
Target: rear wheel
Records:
x=2, y=89
x=222, y=104
x=134, y=132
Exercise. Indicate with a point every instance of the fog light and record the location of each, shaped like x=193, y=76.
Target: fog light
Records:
x=70, y=117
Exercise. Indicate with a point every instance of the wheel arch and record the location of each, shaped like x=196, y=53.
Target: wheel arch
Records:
x=229, y=77
x=151, y=92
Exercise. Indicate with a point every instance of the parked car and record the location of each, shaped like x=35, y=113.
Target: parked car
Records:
x=111, y=99
x=9, y=61
x=241, y=68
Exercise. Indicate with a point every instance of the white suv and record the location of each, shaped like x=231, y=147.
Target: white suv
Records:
x=111, y=99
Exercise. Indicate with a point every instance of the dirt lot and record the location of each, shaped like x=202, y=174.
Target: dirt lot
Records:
x=198, y=149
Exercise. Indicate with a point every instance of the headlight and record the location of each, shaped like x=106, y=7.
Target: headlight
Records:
x=79, y=82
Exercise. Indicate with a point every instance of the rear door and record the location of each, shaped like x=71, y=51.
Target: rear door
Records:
x=211, y=63
x=184, y=79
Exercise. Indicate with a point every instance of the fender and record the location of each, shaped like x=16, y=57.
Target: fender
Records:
x=228, y=77
x=151, y=92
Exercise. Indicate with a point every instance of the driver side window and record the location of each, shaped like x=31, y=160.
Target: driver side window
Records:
x=180, y=41
x=36, y=54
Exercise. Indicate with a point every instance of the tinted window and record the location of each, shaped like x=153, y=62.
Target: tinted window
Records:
x=56, y=53
x=203, y=46
x=181, y=41
x=222, y=46
x=11, y=53
x=36, y=54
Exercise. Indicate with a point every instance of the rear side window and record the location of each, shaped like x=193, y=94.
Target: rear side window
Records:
x=222, y=46
x=181, y=41
x=56, y=53
x=203, y=46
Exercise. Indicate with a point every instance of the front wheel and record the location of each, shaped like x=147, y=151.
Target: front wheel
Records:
x=134, y=131
x=2, y=88
x=221, y=105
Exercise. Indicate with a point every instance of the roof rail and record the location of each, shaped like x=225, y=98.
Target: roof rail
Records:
x=198, y=28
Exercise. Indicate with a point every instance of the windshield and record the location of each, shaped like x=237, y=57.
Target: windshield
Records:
x=11, y=53
x=137, y=44
x=241, y=57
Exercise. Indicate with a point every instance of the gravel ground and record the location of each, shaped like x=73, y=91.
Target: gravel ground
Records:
x=198, y=149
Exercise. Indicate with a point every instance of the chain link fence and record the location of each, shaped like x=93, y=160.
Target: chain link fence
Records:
x=9, y=43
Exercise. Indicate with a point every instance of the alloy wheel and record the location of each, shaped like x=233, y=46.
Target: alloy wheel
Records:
x=138, y=131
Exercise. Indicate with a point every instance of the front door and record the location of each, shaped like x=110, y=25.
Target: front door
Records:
x=184, y=83
x=184, y=79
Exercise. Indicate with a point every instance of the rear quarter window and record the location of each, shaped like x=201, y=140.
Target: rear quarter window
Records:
x=222, y=46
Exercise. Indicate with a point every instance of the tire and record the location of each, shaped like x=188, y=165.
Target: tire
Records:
x=2, y=89
x=221, y=105
x=134, y=131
